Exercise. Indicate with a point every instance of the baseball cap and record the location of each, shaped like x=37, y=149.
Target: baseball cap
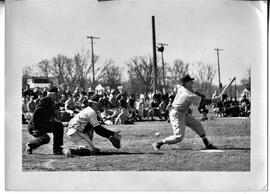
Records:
x=186, y=78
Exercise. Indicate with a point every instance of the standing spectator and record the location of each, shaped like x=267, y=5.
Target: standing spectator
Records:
x=162, y=109
x=141, y=108
x=70, y=106
x=24, y=109
x=36, y=92
x=245, y=106
x=122, y=98
x=114, y=103
x=76, y=93
x=44, y=92
x=104, y=101
x=43, y=122
x=154, y=110
x=165, y=96
x=68, y=91
x=31, y=105
x=62, y=100
x=28, y=91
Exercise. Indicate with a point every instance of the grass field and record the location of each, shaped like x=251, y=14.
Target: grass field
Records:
x=231, y=135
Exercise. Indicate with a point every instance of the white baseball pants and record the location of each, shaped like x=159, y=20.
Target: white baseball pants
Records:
x=179, y=121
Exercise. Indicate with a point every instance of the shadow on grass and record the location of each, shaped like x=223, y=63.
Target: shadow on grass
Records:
x=103, y=153
x=199, y=149
x=233, y=148
x=125, y=153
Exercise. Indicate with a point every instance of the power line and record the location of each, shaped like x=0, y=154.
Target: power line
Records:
x=220, y=86
x=93, y=60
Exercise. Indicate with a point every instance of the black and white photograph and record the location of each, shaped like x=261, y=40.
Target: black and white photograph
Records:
x=143, y=95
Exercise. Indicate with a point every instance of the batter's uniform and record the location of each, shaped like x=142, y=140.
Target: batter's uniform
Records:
x=180, y=118
x=77, y=126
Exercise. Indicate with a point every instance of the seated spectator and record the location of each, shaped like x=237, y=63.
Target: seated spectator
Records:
x=124, y=117
x=203, y=111
x=141, y=109
x=202, y=108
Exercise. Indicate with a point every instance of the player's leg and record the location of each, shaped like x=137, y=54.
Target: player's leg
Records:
x=58, y=134
x=40, y=139
x=196, y=126
x=177, y=120
x=83, y=143
x=114, y=137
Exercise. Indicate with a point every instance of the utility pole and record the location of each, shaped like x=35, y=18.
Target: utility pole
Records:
x=154, y=52
x=160, y=48
x=235, y=89
x=220, y=86
x=93, y=59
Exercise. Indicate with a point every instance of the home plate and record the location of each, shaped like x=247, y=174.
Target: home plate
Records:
x=211, y=151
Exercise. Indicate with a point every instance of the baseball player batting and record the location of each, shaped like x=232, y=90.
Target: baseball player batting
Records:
x=180, y=118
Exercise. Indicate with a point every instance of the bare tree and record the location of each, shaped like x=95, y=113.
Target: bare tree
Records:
x=44, y=67
x=110, y=75
x=205, y=75
x=178, y=70
x=141, y=73
x=246, y=81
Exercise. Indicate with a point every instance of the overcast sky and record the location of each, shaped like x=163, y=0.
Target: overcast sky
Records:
x=39, y=30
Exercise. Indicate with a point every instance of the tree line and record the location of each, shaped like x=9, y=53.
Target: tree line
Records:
x=77, y=71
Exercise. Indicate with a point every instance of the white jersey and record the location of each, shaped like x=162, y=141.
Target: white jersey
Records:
x=79, y=121
x=184, y=98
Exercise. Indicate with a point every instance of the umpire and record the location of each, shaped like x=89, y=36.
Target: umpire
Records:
x=43, y=122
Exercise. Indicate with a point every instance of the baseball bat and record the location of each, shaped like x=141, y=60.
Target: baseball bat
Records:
x=226, y=87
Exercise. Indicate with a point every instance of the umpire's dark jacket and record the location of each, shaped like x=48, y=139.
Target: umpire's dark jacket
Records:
x=42, y=115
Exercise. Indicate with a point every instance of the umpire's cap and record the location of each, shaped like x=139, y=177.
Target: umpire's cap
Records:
x=186, y=78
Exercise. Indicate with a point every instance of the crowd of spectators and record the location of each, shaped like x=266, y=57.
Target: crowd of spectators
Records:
x=118, y=107
x=228, y=107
